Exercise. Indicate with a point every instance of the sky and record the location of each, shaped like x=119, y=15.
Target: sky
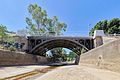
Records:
x=79, y=15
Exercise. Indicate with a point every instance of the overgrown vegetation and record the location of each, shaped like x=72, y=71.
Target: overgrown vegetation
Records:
x=109, y=26
x=12, y=48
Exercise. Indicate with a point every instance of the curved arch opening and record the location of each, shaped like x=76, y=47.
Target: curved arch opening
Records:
x=50, y=44
x=61, y=55
x=73, y=47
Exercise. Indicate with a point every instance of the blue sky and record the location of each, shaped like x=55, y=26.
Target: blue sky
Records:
x=77, y=14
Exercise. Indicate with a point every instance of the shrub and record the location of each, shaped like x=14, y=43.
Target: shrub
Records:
x=12, y=48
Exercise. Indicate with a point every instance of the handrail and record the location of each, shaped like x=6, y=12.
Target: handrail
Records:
x=112, y=34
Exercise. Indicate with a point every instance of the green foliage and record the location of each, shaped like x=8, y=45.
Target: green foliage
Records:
x=109, y=27
x=3, y=32
x=11, y=48
x=58, y=54
x=71, y=56
x=1, y=47
x=40, y=23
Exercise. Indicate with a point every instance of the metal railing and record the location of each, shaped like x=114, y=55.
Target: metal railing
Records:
x=113, y=35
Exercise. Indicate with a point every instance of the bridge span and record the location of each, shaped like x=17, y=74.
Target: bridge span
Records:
x=40, y=44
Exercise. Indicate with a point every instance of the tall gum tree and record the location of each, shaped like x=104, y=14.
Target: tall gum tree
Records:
x=39, y=23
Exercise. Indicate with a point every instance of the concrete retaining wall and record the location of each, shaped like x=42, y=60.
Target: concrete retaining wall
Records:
x=14, y=58
x=110, y=53
x=107, y=39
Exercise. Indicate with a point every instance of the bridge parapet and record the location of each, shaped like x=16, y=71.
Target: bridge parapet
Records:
x=100, y=37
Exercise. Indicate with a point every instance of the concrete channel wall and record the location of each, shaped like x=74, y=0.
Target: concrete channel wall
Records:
x=17, y=58
x=109, y=50
x=107, y=39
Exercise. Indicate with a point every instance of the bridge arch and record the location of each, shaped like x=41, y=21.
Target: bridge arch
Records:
x=54, y=43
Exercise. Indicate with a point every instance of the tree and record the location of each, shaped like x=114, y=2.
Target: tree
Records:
x=58, y=54
x=71, y=56
x=56, y=27
x=40, y=23
x=3, y=32
x=109, y=27
x=36, y=24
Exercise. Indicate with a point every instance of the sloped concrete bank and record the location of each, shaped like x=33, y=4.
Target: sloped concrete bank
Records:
x=17, y=58
x=110, y=53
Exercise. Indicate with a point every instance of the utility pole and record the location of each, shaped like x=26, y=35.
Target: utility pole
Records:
x=89, y=28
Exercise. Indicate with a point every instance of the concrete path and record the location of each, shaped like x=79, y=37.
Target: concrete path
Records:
x=74, y=72
x=16, y=70
x=80, y=73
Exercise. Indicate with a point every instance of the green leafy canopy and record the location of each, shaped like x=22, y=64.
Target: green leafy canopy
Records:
x=109, y=26
x=39, y=23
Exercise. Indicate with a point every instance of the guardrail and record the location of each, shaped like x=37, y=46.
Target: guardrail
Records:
x=118, y=35
x=62, y=35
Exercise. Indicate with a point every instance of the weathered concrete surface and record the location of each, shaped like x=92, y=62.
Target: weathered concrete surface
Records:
x=107, y=39
x=17, y=58
x=79, y=73
x=110, y=49
x=110, y=53
x=17, y=70
x=98, y=41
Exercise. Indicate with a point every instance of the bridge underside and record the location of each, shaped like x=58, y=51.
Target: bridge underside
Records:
x=46, y=46
x=39, y=45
